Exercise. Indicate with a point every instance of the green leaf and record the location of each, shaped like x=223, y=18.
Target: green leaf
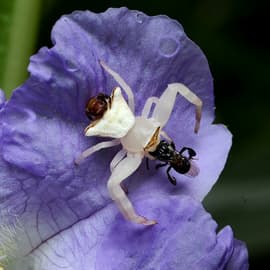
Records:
x=18, y=30
x=245, y=206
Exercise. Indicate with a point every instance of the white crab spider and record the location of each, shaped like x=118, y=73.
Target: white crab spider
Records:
x=138, y=135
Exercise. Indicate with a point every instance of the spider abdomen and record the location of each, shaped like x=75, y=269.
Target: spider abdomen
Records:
x=141, y=135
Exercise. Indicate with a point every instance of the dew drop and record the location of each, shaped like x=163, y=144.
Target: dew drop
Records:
x=139, y=17
x=168, y=47
x=70, y=66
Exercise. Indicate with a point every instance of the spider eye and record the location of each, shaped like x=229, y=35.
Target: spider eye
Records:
x=97, y=106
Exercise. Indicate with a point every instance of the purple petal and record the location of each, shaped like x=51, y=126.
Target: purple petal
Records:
x=2, y=98
x=211, y=155
x=148, y=52
x=239, y=258
x=211, y=158
x=42, y=125
x=184, y=238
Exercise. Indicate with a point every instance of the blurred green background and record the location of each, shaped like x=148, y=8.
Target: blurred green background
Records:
x=232, y=33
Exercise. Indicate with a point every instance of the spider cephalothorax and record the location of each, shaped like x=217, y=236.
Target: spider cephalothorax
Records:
x=138, y=135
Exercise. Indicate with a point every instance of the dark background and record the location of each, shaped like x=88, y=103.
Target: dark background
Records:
x=232, y=33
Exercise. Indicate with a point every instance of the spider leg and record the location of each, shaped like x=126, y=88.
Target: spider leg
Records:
x=124, y=187
x=125, y=168
x=166, y=102
x=148, y=105
x=117, y=158
x=94, y=149
x=122, y=83
x=171, y=178
x=166, y=136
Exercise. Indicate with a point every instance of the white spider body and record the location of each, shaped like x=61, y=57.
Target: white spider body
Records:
x=141, y=137
x=138, y=135
x=116, y=122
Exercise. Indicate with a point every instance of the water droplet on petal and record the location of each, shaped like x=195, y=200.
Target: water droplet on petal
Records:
x=139, y=17
x=168, y=46
x=70, y=66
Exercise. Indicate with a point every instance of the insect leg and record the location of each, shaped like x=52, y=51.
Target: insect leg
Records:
x=166, y=102
x=94, y=149
x=122, y=83
x=125, y=168
x=171, y=178
x=191, y=152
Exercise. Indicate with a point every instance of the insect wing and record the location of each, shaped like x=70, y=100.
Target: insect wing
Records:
x=194, y=169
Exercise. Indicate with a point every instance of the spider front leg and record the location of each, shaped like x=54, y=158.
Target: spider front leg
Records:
x=122, y=83
x=125, y=168
x=166, y=102
x=94, y=149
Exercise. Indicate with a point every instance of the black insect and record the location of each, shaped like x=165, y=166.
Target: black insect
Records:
x=166, y=152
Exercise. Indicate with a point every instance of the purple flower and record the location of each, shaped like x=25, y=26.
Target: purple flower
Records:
x=2, y=98
x=62, y=214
